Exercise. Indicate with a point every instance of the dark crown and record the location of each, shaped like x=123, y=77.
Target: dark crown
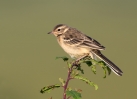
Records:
x=59, y=25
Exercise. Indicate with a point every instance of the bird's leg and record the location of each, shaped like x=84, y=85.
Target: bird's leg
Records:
x=75, y=63
x=88, y=58
x=82, y=57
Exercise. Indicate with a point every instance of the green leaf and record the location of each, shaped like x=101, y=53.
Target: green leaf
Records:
x=62, y=81
x=103, y=65
x=86, y=80
x=89, y=63
x=49, y=88
x=105, y=71
x=64, y=58
x=93, y=68
x=73, y=94
x=69, y=88
x=109, y=70
x=94, y=62
x=105, y=68
x=69, y=64
x=74, y=73
x=80, y=69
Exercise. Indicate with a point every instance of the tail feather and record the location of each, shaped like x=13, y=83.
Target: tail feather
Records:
x=110, y=64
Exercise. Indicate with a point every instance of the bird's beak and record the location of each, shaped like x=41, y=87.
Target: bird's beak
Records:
x=49, y=32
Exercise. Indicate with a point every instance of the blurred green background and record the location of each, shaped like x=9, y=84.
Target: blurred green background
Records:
x=27, y=53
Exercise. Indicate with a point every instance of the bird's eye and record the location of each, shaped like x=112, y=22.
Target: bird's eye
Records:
x=58, y=29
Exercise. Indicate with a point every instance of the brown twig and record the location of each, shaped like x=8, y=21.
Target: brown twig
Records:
x=67, y=81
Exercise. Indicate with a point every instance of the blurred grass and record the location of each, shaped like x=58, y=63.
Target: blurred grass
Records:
x=27, y=58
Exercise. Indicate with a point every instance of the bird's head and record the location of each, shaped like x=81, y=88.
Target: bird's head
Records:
x=59, y=29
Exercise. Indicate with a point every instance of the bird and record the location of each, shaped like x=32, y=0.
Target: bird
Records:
x=78, y=45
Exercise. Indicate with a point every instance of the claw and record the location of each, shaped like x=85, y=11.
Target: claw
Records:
x=76, y=64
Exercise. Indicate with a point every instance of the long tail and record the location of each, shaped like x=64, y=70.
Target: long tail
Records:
x=110, y=64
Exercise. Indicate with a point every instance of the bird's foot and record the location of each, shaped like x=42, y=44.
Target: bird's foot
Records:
x=75, y=63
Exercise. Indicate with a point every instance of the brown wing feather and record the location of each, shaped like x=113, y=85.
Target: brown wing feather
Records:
x=88, y=41
x=81, y=40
